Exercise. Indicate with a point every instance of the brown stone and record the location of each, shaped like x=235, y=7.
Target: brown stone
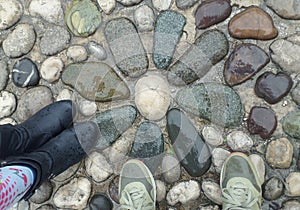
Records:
x=253, y=23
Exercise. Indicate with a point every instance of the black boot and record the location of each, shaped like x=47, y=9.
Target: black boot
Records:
x=58, y=154
x=37, y=130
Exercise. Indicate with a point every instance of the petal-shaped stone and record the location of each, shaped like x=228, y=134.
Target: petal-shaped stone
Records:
x=126, y=46
x=291, y=124
x=289, y=9
x=273, y=87
x=262, y=121
x=148, y=145
x=210, y=48
x=112, y=123
x=167, y=32
x=253, y=23
x=212, y=101
x=244, y=62
x=95, y=81
x=212, y=12
x=190, y=148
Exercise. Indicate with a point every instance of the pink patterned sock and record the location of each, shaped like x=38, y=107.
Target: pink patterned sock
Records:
x=15, y=181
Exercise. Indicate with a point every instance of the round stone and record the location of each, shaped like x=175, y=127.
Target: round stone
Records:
x=107, y=5
x=239, y=141
x=212, y=191
x=144, y=18
x=171, y=169
x=25, y=73
x=77, y=53
x=73, y=195
x=273, y=188
x=51, y=69
x=87, y=108
x=280, y=153
x=42, y=194
x=51, y=11
x=100, y=202
x=161, y=190
x=8, y=103
x=4, y=75
x=219, y=156
x=11, y=12
x=212, y=135
x=152, y=97
x=293, y=184
x=27, y=107
x=20, y=41
x=55, y=39
x=97, y=50
x=8, y=120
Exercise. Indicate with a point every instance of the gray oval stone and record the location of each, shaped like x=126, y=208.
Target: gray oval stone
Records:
x=126, y=47
x=170, y=169
x=167, y=33
x=212, y=101
x=210, y=48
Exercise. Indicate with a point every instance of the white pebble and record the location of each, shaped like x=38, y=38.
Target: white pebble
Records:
x=8, y=103
x=293, y=184
x=65, y=94
x=8, y=120
x=212, y=191
x=239, y=141
x=212, y=135
x=107, y=5
x=10, y=13
x=161, y=4
x=259, y=164
x=183, y=192
x=144, y=18
x=87, y=108
x=77, y=53
x=152, y=97
x=161, y=190
x=51, y=69
x=219, y=156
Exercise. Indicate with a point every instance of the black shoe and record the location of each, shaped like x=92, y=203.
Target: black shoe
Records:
x=58, y=154
x=37, y=130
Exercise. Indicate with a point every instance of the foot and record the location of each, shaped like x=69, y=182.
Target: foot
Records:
x=137, y=188
x=240, y=184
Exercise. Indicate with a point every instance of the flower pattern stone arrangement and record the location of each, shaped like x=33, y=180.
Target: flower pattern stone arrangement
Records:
x=178, y=84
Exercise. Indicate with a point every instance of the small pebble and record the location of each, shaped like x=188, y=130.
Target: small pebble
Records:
x=171, y=169
x=280, y=153
x=152, y=97
x=43, y=193
x=293, y=184
x=212, y=191
x=144, y=18
x=100, y=202
x=64, y=94
x=107, y=5
x=259, y=165
x=183, y=192
x=161, y=190
x=161, y=5
x=77, y=53
x=25, y=73
x=51, y=69
x=219, y=156
x=8, y=120
x=4, y=75
x=8, y=103
x=11, y=12
x=97, y=50
x=87, y=108
x=273, y=188
x=212, y=135
x=20, y=41
x=239, y=141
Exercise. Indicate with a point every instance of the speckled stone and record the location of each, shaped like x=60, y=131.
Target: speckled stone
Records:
x=161, y=190
x=20, y=41
x=100, y=202
x=212, y=12
x=107, y=5
x=167, y=32
x=27, y=107
x=209, y=49
x=191, y=150
x=212, y=101
x=219, y=156
x=10, y=13
x=43, y=193
x=212, y=135
x=273, y=87
x=183, y=192
x=130, y=56
x=4, y=75
x=185, y=4
x=293, y=184
x=83, y=17
x=252, y=23
x=239, y=141
x=95, y=81
x=25, y=73
x=54, y=40
x=244, y=62
x=289, y=9
x=49, y=10
x=113, y=123
x=291, y=124
x=212, y=191
x=8, y=103
x=51, y=69
x=77, y=53
x=273, y=188
x=170, y=168
x=279, y=153
x=262, y=121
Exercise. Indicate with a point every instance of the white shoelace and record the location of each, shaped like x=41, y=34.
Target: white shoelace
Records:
x=238, y=197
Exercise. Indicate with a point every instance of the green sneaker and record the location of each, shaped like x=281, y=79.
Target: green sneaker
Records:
x=241, y=188
x=137, y=190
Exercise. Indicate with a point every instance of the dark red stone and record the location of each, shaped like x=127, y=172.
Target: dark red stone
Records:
x=212, y=12
x=272, y=88
x=262, y=121
x=244, y=62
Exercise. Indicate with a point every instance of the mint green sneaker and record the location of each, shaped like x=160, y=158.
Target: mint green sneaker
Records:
x=241, y=188
x=137, y=190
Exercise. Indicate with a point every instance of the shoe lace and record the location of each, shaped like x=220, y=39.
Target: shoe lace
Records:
x=238, y=197
x=135, y=199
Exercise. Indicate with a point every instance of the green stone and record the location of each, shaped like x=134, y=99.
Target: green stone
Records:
x=291, y=124
x=113, y=123
x=215, y=102
x=83, y=17
x=95, y=81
